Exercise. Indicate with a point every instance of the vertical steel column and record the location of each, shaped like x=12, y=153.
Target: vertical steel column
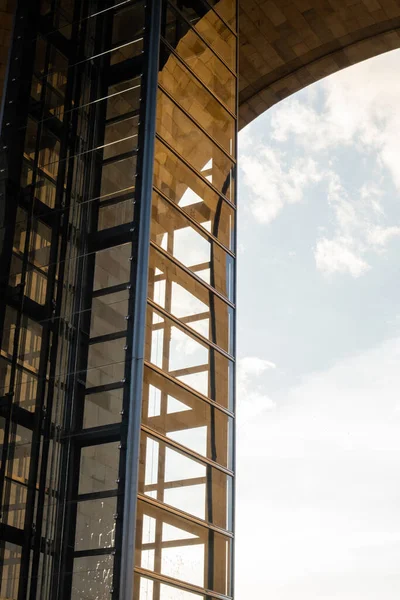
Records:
x=143, y=205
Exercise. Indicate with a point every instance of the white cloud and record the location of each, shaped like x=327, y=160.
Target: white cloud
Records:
x=369, y=121
x=274, y=181
x=317, y=491
x=357, y=231
x=360, y=108
x=337, y=256
x=251, y=396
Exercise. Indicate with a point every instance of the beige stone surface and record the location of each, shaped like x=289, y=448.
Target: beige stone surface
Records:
x=285, y=45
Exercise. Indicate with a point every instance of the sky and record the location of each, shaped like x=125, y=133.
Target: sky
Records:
x=318, y=408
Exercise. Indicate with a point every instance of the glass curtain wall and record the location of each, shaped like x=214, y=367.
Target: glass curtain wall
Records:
x=70, y=136
x=76, y=148
x=184, y=529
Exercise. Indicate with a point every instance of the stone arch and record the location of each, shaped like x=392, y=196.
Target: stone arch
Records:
x=285, y=45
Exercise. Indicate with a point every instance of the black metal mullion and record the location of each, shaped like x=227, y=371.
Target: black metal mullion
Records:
x=32, y=537
x=129, y=466
x=77, y=76
x=61, y=228
x=84, y=290
x=14, y=118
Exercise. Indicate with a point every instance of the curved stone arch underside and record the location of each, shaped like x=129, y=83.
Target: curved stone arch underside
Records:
x=285, y=45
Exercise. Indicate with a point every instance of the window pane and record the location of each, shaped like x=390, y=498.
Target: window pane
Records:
x=108, y=357
x=112, y=266
x=15, y=505
x=99, y=468
x=102, y=408
x=195, y=52
x=123, y=98
x=176, y=413
x=190, y=246
x=92, y=577
x=213, y=30
x=175, y=127
x=172, y=546
x=177, y=479
x=10, y=572
x=197, y=101
x=115, y=213
x=184, y=357
x=108, y=313
x=118, y=175
x=188, y=300
x=189, y=191
x=95, y=524
x=149, y=589
x=128, y=25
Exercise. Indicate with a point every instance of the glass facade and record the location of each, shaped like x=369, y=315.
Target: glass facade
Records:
x=117, y=306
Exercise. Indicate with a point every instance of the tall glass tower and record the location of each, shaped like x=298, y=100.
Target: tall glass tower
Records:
x=117, y=301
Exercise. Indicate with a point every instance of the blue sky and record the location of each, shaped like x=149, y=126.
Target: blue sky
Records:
x=319, y=342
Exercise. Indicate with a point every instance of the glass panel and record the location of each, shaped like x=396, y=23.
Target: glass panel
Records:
x=95, y=524
x=128, y=25
x=25, y=385
x=226, y=10
x=126, y=130
x=92, y=578
x=115, y=213
x=197, y=101
x=108, y=313
x=10, y=572
x=118, y=176
x=175, y=547
x=181, y=185
x=123, y=97
x=99, y=468
x=177, y=479
x=149, y=589
x=196, y=53
x=112, y=373
x=112, y=266
x=189, y=141
x=102, y=408
x=190, y=246
x=213, y=30
x=14, y=509
x=176, y=413
x=110, y=356
x=19, y=455
x=185, y=298
x=182, y=356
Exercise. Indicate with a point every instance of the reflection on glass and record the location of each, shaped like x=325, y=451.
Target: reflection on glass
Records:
x=173, y=411
x=172, y=546
x=10, y=574
x=150, y=589
x=191, y=95
x=193, y=304
x=99, y=468
x=183, y=356
x=95, y=524
x=92, y=577
x=112, y=267
x=192, y=49
x=172, y=477
x=175, y=234
x=212, y=29
x=189, y=141
x=102, y=408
